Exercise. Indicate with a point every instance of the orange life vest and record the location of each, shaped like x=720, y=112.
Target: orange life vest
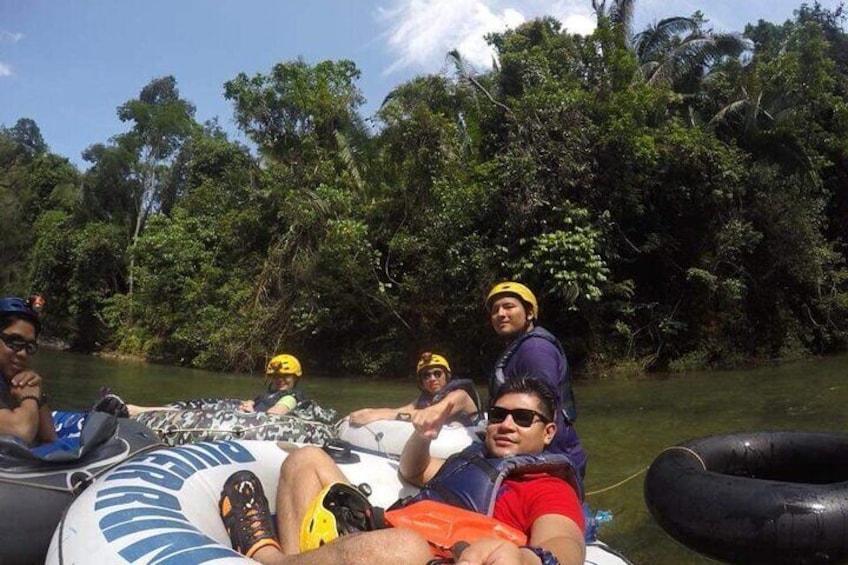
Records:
x=443, y=525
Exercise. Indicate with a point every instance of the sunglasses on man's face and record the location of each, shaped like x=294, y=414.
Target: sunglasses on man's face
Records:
x=432, y=374
x=18, y=344
x=523, y=417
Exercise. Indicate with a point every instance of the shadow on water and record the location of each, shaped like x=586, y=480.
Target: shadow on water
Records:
x=624, y=425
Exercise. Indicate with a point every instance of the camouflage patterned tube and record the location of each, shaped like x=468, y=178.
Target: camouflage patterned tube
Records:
x=202, y=419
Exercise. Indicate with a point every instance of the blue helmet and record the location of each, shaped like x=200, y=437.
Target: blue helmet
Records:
x=19, y=308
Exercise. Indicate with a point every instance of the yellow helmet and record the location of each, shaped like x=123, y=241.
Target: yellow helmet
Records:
x=338, y=510
x=515, y=289
x=284, y=364
x=428, y=360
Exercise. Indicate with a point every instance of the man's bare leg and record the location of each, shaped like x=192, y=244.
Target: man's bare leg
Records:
x=392, y=546
x=304, y=473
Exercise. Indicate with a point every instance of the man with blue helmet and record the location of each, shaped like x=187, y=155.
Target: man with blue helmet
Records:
x=23, y=405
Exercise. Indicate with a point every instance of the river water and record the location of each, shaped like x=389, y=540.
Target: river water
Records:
x=623, y=425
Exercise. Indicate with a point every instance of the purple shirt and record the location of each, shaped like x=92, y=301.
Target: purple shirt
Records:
x=542, y=360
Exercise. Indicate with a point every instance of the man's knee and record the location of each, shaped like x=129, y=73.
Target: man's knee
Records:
x=304, y=460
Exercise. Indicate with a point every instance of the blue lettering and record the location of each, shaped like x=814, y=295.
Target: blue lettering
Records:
x=176, y=465
x=168, y=542
x=130, y=514
x=196, y=459
x=237, y=452
x=148, y=474
x=128, y=528
x=143, y=495
x=209, y=452
x=142, y=509
x=197, y=555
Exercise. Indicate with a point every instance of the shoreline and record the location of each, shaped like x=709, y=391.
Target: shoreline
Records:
x=58, y=344
x=625, y=370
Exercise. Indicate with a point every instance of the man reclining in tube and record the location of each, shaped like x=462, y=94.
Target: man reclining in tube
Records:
x=511, y=501
x=438, y=387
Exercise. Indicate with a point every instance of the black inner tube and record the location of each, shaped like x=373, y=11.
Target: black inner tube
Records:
x=794, y=457
x=767, y=497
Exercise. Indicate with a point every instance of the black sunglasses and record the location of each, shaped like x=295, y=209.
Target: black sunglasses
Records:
x=431, y=374
x=523, y=417
x=18, y=344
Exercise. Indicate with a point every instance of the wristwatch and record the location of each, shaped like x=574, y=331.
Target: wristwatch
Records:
x=29, y=397
x=545, y=556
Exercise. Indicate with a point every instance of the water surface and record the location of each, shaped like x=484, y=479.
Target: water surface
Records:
x=624, y=425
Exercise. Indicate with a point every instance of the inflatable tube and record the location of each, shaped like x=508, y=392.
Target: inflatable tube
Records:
x=768, y=497
x=387, y=437
x=306, y=409
x=207, y=420
x=34, y=491
x=162, y=507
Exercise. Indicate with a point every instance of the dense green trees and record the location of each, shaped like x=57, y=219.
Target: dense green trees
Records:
x=677, y=197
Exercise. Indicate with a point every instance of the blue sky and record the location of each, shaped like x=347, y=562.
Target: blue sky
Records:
x=69, y=64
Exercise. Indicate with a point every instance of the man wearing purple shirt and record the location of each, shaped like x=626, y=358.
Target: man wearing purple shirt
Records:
x=534, y=351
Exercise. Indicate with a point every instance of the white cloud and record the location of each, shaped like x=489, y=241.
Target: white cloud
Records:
x=576, y=16
x=10, y=37
x=421, y=32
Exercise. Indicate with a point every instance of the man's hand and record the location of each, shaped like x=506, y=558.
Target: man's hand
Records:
x=246, y=406
x=26, y=378
x=19, y=392
x=494, y=551
x=428, y=422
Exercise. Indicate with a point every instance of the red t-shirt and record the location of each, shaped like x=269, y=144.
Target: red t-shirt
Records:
x=524, y=499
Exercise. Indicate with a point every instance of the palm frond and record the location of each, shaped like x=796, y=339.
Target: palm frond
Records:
x=734, y=108
x=349, y=159
x=657, y=38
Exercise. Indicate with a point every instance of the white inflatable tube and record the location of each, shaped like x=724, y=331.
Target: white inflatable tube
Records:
x=162, y=507
x=387, y=437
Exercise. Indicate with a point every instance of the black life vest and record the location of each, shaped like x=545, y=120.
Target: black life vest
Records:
x=566, y=394
x=268, y=400
x=470, y=480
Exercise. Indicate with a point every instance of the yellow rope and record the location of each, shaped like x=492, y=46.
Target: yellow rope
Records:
x=689, y=451
x=637, y=473
x=89, y=476
x=618, y=484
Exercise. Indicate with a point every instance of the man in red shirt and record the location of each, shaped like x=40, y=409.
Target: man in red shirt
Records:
x=545, y=506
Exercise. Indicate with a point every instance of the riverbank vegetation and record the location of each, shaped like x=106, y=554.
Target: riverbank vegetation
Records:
x=677, y=196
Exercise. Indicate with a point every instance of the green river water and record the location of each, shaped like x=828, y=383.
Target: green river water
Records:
x=623, y=425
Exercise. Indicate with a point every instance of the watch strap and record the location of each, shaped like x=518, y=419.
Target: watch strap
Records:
x=29, y=397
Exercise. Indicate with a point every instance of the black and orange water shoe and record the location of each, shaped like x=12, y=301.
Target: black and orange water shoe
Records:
x=247, y=518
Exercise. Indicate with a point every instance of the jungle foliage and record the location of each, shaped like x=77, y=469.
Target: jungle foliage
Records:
x=677, y=197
